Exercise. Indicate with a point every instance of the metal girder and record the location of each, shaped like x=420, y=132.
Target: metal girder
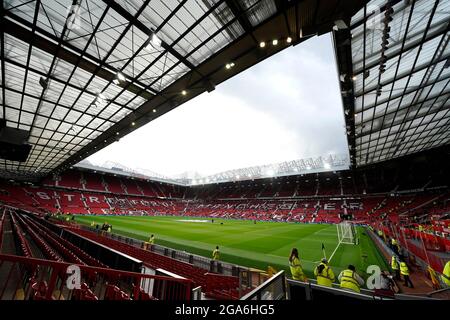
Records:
x=134, y=21
x=108, y=73
x=236, y=9
x=162, y=106
x=416, y=59
x=2, y=48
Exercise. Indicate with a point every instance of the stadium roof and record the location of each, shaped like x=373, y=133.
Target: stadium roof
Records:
x=79, y=77
x=332, y=162
x=395, y=78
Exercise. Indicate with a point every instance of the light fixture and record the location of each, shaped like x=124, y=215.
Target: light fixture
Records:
x=289, y=40
x=43, y=82
x=117, y=133
x=184, y=92
x=262, y=44
x=229, y=65
x=275, y=42
x=154, y=41
x=133, y=124
x=154, y=110
x=120, y=76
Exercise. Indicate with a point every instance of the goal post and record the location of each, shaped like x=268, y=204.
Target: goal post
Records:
x=346, y=233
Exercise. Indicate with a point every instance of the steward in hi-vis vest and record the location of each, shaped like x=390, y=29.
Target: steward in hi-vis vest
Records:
x=404, y=270
x=395, y=267
x=325, y=275
x=350, y=280
x=296, y=266
x=446, y=274
x=216, y=253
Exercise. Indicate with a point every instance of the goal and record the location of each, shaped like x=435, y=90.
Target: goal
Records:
x=346, y=233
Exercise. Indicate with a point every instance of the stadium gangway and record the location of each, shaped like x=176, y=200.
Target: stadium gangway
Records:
x=24, y=278
x=420, y=255
x=272, y=289
x=309, y=291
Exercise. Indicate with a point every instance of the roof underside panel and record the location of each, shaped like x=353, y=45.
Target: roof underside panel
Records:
x=60, y=63
x=401, y=72
x=68, y=114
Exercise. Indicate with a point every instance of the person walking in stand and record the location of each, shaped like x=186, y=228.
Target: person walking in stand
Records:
x=395, y=267
x=395, y=246
x=404, y=270
x=296, y=267
x=350, y=280
x=149, y=243
x=325, y=275
x=216, y=253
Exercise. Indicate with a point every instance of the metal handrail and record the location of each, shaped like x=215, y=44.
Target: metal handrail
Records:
x=266, y=284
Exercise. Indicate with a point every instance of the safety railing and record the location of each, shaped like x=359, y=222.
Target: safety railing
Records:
x=248, y=278
x=272, y=289
x=36, y=279
x=209, y=265
x=308, y=291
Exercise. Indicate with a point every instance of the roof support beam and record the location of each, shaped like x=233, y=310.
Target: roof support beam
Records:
x=237, y=10
x=106, y=72
x=2, y=48
x=136, y=22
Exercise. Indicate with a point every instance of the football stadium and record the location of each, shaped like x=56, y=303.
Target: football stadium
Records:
x=344, y=205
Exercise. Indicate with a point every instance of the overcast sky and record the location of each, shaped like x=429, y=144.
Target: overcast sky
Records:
x=287, y=107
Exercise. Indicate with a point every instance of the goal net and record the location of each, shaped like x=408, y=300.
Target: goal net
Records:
x=346, y=233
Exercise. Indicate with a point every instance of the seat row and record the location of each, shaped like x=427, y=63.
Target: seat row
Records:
x=68, y=255
x=20, y=238
x=152, y=259
x=69, y=247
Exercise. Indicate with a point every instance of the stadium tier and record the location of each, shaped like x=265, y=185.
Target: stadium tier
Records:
x=380, y=210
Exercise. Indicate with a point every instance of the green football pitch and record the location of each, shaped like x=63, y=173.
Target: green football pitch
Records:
x=253, y=245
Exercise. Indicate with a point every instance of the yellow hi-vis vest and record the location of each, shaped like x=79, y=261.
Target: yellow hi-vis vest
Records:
x=404, y=269
x=326, y=277
x=216, y=254
x=394, y=242
x=297, y=270
x=348, y=281
x=446, y=274
x=151, y=240
x=394, y=264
